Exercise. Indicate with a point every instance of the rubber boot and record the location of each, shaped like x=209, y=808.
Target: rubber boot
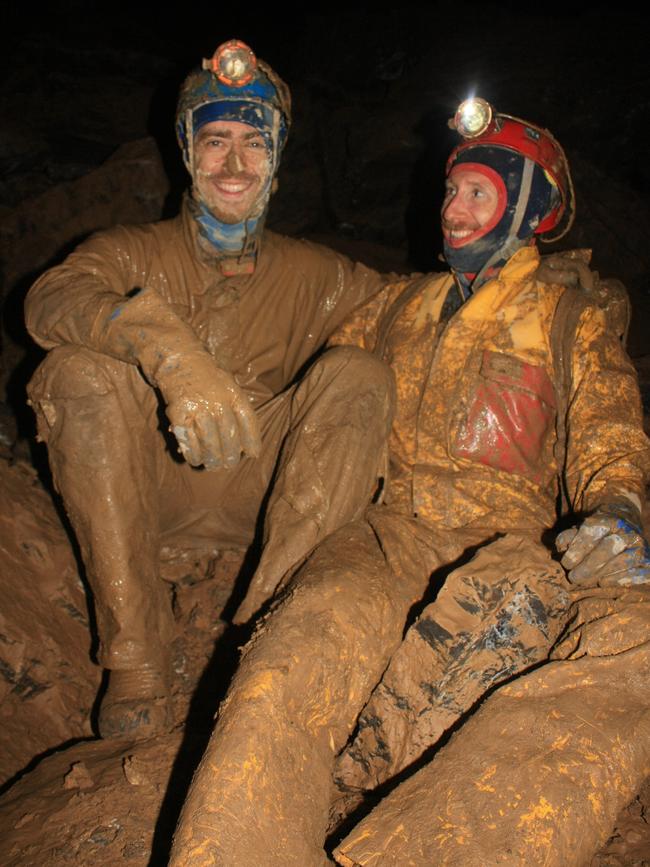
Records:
x=137, y=704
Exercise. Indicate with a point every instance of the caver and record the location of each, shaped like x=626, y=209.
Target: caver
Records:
x=210, y=318
x=513, y=395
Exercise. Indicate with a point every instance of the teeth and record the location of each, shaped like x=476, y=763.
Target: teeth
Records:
x=459, y=234
x=232, y=188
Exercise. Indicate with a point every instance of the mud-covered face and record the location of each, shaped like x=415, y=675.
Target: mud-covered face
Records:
x=472, y=206
x=231, y=170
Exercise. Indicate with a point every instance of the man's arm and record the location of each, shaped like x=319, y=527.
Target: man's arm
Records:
x=68, y=302
x=608, y=460
x=332, y=288
x=361, y=328
x=93, y=300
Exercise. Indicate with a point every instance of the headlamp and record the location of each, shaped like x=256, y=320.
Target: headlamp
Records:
x=234, y=63
x=473, y=117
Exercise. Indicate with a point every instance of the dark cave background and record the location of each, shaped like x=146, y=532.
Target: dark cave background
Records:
x=372, y=91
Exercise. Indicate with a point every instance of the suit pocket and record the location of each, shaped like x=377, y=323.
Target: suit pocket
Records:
x=511, y=412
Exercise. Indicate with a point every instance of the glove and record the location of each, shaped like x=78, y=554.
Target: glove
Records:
x=607, y=548
x=570, y=268
x=208, y=413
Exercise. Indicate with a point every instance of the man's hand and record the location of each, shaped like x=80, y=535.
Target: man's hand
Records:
x=607, y=548
x=208, y=413
x=570, y=268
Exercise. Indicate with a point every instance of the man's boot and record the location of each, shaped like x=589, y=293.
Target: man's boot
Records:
x=136, y=704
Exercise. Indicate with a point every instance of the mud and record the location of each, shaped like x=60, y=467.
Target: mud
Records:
x=48, y=683
x=96, y=802
x=539, y=772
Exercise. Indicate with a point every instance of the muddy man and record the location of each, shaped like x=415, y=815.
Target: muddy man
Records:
x=195, y=332
x=509, y=390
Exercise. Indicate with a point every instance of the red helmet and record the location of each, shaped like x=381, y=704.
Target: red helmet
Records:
x=478, y=124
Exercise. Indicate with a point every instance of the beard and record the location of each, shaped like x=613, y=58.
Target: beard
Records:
x=233, y=196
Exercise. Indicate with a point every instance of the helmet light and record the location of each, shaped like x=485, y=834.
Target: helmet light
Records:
x=234, y=63
x=473, y=117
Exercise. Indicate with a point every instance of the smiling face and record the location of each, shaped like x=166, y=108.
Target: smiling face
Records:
x=231, y=169
x=473, y=204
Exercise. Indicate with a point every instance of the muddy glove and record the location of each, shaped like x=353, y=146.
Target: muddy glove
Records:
x=208, y=413
x=607, y=548
x=210, y=416
x=570, y=268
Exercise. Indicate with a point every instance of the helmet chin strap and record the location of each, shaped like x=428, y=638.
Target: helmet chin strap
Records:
x=512, y=242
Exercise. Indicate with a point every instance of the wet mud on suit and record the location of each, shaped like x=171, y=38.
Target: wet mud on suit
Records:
x=473, y=486
x=126, y=494
x=540, y=772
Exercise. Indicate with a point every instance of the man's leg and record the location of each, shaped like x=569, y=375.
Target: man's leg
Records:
x=494, y=617
x=126, y=495
x=262, y=792
x=330, y=463
x=99, y=419
x=541, y=770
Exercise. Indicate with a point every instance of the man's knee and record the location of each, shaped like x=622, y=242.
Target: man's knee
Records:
x=355, y=386
x=356, y=368
x=70, y=372
x=511, y=580
x=84, y=381
x=347, y=589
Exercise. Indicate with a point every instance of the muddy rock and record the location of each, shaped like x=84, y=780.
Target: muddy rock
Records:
x=96, y=803
x=47, y=680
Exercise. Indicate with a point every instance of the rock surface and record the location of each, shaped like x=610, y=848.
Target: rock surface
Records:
x=48, y=683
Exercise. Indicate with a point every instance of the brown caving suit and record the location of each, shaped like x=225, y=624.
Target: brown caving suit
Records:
x=125, y=492
x=473, y=458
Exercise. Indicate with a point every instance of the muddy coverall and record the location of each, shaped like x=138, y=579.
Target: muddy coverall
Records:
x=126, y=492
x=473, y=469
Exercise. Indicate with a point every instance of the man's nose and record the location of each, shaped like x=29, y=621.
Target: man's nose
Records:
x=454, y=210
x=234, y=161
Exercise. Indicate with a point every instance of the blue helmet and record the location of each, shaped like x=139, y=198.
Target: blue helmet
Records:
x=234, y=85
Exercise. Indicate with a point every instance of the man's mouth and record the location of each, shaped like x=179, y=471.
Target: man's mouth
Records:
x=458, y=235
x=231, y=188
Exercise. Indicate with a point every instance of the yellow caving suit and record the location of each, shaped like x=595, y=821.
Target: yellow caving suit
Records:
x=473, y=485
x=126, y=493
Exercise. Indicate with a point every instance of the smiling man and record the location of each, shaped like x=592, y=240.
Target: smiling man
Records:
x=209, y=318
x=509, y=390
